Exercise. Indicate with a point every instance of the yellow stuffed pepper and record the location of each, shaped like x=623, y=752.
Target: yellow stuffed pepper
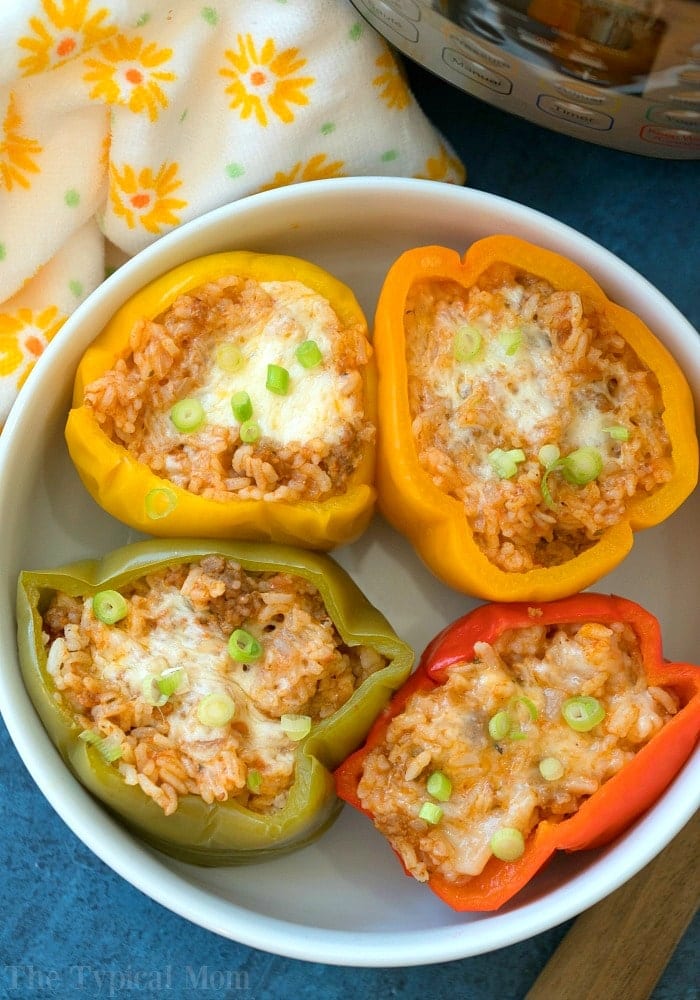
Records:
x=234, y=396
x=528, y=425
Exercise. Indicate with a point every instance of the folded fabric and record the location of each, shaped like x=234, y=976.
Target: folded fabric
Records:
x=121, y=120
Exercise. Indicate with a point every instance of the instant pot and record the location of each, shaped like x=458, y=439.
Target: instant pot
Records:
x=620, y=73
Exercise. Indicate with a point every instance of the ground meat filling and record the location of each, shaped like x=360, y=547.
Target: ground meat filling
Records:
x=215, y=341
x=536, y=367
x=496, y=783
x=183, y=617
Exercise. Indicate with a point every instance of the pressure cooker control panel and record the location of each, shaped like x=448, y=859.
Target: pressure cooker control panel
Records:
x=620, y=73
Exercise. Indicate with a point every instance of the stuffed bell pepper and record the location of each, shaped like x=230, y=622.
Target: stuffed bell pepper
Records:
x=204, y=691
x=233, y=397
x=528, y=426
x=526, y=729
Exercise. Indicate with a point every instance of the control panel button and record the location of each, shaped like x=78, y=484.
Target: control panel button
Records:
x=391, y=18
x=476, y=72
x=672, y=137
x=574, y=114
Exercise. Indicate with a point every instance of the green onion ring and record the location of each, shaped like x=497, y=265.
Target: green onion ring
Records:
x=241, y=406
x=159, y=502
x=187, y=415
x=582, y=713
x=295, y=727
x=277, y=380
x=507, y=844
x=439, y=786
x=430, y=813
x=467, y=343
x=216, y=710
x=109, y=606
x=309, y=354
x=244, y=647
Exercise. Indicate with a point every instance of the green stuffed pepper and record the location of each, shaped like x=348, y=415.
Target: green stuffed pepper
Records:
x=205, y=690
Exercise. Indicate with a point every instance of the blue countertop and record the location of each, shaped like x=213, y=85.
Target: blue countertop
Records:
x=68, y=921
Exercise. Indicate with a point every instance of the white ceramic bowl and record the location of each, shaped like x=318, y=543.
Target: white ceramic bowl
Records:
x=344, y=900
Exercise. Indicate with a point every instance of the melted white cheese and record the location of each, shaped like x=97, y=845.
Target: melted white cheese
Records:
x=315, y=405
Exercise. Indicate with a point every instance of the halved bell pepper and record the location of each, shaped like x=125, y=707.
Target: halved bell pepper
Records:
x=131, y=492
x=435, y=521
x=226, y=832
x=616, y=804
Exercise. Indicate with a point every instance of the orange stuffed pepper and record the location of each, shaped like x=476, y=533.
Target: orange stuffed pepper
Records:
x=528, y=426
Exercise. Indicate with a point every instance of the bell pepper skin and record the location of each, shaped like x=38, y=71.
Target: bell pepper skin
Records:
x=617, y=803
x=119, y=483
x=434, y=521
x=223, y=833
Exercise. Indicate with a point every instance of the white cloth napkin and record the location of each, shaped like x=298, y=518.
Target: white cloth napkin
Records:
x=122, y=119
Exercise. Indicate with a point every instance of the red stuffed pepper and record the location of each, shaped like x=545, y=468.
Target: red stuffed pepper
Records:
x=527, y=728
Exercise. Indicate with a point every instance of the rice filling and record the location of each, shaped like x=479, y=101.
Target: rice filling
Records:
x=511, y=366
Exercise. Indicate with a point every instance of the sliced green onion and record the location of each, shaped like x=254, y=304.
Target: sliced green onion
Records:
x=548, y=455
x=296, y=727
x=159, y=503
x=90, y=736
x=503, y=725
x=582, y=713
x=544, y=486
x=579, y=468
x=216, y=710
x=249, y=431
x=229, y=357
x=439, y=786
x=187, y=415
x=515, y=732
x=499, y=725
x=505, y=463
x=243, y=646
x=507, y=844
x=510, y=341
x=430, y=813
x=109, y=606
x=109, y=747
x=467, y=343
x=309, y=354
x=277, y=380
x=171, y=681
x=551, y=768
x=241, y=406
x=527, y=703
x=253, y=781
x=582, y=466
x=617, y=433
x=151, y=692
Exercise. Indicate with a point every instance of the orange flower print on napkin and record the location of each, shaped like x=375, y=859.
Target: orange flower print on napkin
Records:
x=129, y=75
x=265, y=80
x=443, y=167
x=316, y=168
x=392, y=87
x=18, y=152
x=145, y=198
x=67, y=29
x=24, y=333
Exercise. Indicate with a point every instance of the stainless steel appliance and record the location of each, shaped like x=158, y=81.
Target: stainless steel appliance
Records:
x=620, y=73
